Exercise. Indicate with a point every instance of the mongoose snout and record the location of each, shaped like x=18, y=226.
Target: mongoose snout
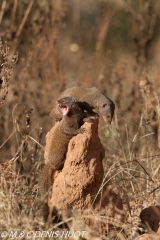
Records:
x=107, y=111
x=64, y=104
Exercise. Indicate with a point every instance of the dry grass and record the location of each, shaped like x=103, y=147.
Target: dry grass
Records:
x=111, y=46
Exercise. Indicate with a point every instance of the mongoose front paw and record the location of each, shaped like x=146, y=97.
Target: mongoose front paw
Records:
x=82, y=130
x=96, y=115
x=88, y=119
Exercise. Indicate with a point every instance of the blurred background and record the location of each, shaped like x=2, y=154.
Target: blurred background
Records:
x=111, y=44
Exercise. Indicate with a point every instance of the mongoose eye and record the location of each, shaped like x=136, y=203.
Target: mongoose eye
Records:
x=73, y=99
x=73, y=105
x=105, y=105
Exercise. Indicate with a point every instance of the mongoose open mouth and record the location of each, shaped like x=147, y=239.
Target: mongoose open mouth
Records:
x=64, y=109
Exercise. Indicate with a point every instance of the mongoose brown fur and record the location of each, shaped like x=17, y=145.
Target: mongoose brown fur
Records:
x=69, y=126
x=89, y=98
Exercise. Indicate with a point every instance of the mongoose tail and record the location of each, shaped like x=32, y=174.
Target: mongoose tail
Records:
x=45, y=183
x=89, y=99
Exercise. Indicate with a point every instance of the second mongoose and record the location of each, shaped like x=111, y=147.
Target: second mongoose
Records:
x=69, y=126
x=89, y=98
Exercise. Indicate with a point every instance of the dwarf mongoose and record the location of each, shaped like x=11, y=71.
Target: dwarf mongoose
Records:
x=69, y=126
x=89, y=98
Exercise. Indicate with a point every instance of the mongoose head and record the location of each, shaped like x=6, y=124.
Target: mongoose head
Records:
x=66, y=104
x=107, y=111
